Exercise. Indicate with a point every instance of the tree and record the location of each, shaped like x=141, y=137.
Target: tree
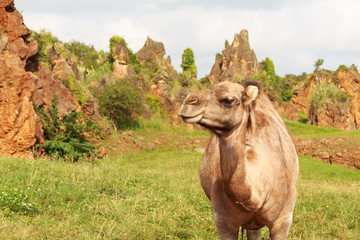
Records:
x=188, y=62
x=270, y=70
x=318, y=63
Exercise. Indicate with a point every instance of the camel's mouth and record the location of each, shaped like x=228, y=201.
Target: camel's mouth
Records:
x=192, y=119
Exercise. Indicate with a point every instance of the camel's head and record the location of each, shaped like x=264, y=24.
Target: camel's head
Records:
x=220, y=108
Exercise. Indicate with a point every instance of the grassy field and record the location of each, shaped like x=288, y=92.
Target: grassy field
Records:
x=309, y=131
x=156, y=195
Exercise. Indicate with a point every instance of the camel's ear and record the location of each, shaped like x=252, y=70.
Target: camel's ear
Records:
x=250, y=93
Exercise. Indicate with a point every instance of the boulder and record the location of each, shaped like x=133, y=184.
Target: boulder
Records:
x=236, y=60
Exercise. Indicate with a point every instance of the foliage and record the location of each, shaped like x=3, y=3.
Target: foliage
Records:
x=226, y=43
x=45, y=41
x=87, y=57
x=328, y=92
x=67, y=138
x=188, y=62
x=342, y=67
x=112, y=42
x=121, y=103
x=93, y=78
x=318, y=63
x=271, y=82
x=78, y=90
x=154, y=103
x=138, y=67
x=351, y=67
x=289, y=83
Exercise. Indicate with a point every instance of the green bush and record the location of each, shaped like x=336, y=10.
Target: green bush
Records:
x=68, y=138
x=328, y=92
x=154, y=103
x=121, y=103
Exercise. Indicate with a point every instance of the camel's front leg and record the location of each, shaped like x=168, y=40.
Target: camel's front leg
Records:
x=226, y=230
x=253, y=234
x=280, y=228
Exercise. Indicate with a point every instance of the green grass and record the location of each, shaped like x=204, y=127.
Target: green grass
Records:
x=304, y=130
x=155, y=195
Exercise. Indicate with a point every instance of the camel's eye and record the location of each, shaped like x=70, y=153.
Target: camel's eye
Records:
x=227, y=101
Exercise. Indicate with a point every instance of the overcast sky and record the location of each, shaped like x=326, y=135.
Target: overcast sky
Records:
x=294, y=34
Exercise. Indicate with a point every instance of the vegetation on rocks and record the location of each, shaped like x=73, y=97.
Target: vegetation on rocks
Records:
x=70, y=137
x=328, y=92
x=45, y=40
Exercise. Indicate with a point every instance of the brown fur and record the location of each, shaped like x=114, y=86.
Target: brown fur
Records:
x=250, y=167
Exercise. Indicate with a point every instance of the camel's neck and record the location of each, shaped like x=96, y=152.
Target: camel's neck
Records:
x=233, y=165
x=232, y=151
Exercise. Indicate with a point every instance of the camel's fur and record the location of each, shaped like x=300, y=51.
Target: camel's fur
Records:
x=250, y=166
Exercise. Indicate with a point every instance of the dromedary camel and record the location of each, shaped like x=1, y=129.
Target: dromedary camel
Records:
x=250, y=166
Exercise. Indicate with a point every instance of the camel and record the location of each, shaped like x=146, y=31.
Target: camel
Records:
x=250, y=166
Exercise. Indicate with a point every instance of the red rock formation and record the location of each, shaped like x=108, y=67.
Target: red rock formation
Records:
x=350, y=83
x=152, y=54
x=237, y=59
x=18, y=122
x=346, y=117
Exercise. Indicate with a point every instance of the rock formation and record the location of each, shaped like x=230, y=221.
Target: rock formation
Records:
x=346, y=117
x=151, y=55
x=350, y=83
x=18, y=122
x=121, y=68
x=236, y=59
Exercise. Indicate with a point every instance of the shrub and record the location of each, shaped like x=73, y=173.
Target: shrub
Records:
x=121, y=103
x=342, y=67
x=154, y=103
x=328, y=92
x=68, y=138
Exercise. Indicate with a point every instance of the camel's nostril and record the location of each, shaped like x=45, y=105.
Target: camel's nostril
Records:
x=192, y=100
